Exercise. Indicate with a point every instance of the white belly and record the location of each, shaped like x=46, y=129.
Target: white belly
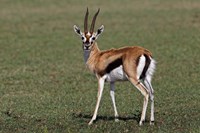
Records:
x=116, y=74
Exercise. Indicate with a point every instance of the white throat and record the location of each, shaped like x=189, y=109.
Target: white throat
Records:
x=86, y=55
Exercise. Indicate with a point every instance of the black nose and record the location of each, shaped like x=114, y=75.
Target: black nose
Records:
x=87, y=47
x=87, y=42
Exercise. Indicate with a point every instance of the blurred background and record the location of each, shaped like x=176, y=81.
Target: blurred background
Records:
x=46, y=87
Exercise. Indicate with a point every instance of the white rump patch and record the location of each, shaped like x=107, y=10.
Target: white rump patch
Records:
x=140, y=66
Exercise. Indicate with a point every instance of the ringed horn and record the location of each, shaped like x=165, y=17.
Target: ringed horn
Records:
x=93, y=22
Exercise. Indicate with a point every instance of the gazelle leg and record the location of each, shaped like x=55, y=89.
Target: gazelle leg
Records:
x=145, y=93
x=152, y=112
x=101, y=81
x=112, y=94
x=149, y=86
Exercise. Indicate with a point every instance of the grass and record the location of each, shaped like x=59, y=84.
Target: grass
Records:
x=45, y=87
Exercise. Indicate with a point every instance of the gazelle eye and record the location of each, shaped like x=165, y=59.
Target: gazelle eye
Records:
x=93, y=38
x=82, y=38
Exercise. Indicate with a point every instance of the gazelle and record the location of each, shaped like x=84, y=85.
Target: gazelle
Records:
x=134, y=64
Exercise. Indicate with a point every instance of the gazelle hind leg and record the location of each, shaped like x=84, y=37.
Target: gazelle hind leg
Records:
x=149, y=86
x=112, y=94
x=147, y=82
x=145, y=93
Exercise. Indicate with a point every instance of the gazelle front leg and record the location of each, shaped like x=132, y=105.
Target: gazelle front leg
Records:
x=101, y=81
x=112, y=94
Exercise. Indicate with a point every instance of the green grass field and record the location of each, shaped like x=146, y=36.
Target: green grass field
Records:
x=45, y=86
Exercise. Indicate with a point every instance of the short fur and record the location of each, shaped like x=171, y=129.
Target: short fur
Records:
x=131, y=63
x=99, y=61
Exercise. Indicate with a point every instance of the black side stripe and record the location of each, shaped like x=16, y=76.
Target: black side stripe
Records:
x=147, y=63
x=114, y=65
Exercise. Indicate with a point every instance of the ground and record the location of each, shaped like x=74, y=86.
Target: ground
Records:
x=45, y=86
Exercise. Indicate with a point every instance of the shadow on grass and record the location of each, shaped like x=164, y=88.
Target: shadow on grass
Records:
x=136, y=117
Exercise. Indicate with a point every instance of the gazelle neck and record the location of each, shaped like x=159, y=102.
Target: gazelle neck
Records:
x=91, y=58
x=92, y=52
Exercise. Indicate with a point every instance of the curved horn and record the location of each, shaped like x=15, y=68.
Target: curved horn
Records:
x=86, y=21
x=93, y=21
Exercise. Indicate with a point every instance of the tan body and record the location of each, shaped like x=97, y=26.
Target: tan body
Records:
x=99, y=60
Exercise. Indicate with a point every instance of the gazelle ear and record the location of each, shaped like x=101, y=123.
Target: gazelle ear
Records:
x=77, y=30
x=99, y=31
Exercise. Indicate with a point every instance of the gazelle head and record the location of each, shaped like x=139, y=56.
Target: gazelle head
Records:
x=89, y=37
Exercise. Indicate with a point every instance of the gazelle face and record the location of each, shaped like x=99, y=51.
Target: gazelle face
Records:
x=89, y=37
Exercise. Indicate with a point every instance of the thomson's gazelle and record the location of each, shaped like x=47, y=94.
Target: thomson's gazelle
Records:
x=134, y=64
